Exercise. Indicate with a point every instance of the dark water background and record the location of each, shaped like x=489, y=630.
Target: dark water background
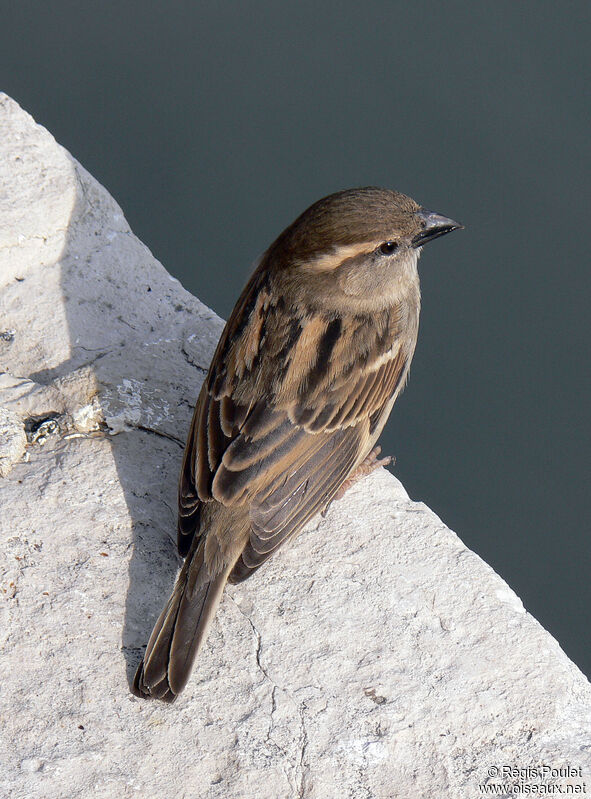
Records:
x=215, y=124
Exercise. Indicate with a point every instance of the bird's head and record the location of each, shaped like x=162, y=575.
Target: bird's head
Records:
x=358, y=247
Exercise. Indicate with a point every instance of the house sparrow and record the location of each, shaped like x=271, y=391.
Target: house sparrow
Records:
x=302, y=382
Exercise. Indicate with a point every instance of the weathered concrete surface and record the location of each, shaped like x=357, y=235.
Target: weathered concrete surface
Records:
x=375, y=657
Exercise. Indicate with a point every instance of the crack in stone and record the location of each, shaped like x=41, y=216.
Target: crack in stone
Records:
x=197, y=366
x=300, y=766
x=160, y=433
x=125, y=322
x=101, y=353
x=259, y=648
x=273, y=709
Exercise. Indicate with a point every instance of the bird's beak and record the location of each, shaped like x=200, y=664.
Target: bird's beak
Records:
x=433, y=225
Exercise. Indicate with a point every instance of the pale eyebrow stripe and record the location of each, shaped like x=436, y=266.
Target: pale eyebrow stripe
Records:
x=330, y=260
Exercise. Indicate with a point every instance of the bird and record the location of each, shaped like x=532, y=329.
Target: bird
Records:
x=305, y=374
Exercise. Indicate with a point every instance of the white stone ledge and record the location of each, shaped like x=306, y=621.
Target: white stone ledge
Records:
x=375, y=657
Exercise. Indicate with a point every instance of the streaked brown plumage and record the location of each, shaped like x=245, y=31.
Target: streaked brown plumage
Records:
x=303, y=379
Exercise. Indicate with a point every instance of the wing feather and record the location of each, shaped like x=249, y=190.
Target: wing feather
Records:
x=272, y=525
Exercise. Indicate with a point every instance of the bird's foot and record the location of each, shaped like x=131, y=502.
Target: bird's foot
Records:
x=369, y=465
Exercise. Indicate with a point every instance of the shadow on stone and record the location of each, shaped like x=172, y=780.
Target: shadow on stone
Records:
x=125, y=325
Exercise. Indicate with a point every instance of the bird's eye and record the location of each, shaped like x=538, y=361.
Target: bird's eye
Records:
x=388, y=247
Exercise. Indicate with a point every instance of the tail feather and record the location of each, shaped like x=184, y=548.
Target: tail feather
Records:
x=180, y=630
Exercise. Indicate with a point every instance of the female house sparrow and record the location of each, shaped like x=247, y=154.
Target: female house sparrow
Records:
x=302, y=382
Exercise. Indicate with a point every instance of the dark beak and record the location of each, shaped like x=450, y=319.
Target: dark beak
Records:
x=433, y=225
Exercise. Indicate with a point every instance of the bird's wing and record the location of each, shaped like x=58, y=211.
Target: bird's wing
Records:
x=287, y=410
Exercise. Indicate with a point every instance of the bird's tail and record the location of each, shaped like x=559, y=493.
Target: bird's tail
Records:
x=181, y=629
